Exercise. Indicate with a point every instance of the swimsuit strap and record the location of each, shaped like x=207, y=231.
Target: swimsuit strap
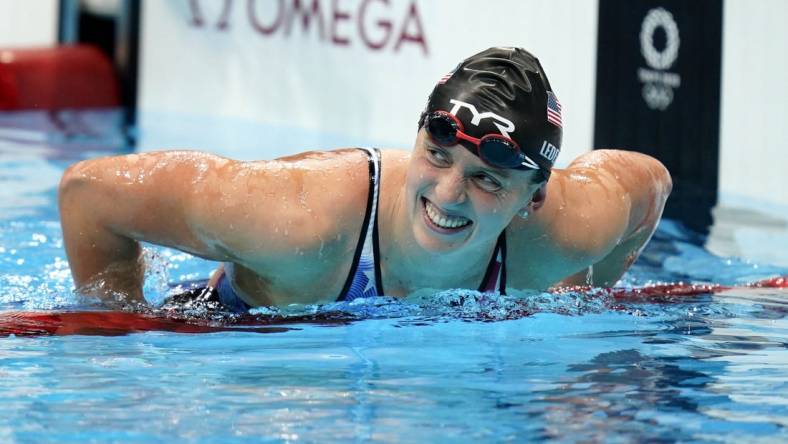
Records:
x=364, y=279
x=495, y=276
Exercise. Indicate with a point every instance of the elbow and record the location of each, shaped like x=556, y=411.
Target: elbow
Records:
x=653, y=190
x=663, y=179
x=663, y=185
x=75, y=179
x=661, y=188
x=655, y=177
x=70, y=181
x=70, y=177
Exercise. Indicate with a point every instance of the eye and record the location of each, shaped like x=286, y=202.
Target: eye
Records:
x=487, y=182
x=438, y=156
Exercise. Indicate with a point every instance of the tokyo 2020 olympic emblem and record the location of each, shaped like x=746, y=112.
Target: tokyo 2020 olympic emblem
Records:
x=659, y=18
x=658, y=85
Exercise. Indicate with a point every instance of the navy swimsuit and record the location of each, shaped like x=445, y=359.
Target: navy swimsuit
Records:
x=364, y=279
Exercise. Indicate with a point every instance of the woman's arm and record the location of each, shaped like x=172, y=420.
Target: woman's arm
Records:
x=641, y=185
x=252, y=213
x=107, y=205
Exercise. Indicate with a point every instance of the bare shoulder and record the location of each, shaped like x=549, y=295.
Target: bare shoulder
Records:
x=396, y=154
x=292, y=207
x=395, y=159
x=591, y=207
x=638, y=173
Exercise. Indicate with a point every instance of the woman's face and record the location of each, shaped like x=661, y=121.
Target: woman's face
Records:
x=454, y=199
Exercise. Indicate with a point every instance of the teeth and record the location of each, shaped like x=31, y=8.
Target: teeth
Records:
x=443, y=220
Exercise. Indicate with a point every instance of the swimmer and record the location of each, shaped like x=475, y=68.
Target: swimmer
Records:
x=475, y=204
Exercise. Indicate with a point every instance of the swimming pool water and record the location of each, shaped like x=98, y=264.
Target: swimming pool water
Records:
x=453, y=367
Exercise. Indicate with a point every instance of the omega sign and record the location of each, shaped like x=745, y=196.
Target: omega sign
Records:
x=658, y=83
x=373, y=24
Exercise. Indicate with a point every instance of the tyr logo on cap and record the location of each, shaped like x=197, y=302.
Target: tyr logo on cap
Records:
x=477, y=117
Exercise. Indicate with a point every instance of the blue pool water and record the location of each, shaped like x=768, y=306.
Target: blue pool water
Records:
x=454, y=367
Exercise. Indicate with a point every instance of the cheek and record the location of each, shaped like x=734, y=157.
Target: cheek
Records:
x=416, y=181
x=418, y=176
x=488, y=207
x=412, y=181
x=495, y=210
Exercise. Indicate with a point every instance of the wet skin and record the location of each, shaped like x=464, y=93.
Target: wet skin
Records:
x=286, y=229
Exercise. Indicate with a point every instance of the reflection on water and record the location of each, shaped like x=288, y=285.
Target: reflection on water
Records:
x=624, y=393
x=753, y=349
x=65, y=134
x=35, y=148
x=699, y=377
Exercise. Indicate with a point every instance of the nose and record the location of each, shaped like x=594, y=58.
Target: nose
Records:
x=450, y=188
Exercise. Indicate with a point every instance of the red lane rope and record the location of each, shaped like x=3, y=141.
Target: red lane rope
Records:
x=116, y=323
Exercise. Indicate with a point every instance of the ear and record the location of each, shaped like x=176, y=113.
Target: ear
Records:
x=538, y=198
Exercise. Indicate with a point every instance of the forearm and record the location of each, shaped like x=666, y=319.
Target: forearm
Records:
x=103, y=263
x=643, y=185
x=609, y=270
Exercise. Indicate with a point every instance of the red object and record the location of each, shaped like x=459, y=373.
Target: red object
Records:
x=115, y=323
x=64, y=77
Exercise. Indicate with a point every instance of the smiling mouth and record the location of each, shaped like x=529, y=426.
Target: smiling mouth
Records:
x=442, y=220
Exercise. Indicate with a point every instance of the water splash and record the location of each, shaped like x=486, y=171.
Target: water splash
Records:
x=457, y=304
x=157, y=274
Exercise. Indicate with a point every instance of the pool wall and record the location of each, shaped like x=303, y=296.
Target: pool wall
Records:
x=26, y=23
x=753, y=133
x=344, y=73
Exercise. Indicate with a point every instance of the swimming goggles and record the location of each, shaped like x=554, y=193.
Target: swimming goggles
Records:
x=445, y=129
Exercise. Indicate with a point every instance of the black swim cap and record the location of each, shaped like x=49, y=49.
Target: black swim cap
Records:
x=503, y=91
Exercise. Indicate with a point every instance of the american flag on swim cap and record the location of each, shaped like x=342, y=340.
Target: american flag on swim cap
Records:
x=553, y=109
x=448, y=75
